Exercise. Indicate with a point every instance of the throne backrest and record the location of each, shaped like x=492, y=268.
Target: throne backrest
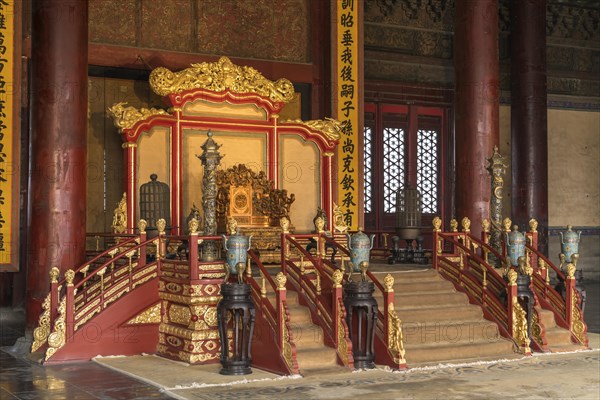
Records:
x=250, y=198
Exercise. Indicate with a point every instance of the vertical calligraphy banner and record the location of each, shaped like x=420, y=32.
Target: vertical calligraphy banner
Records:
x=9, y=141
x=347, y=54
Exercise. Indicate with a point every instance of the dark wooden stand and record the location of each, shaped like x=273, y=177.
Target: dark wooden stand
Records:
x=236, y=303
x=361, y=318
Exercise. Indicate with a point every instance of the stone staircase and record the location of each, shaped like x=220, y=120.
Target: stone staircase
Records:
x=313, y=356
x=439, y=324
x=559, y=339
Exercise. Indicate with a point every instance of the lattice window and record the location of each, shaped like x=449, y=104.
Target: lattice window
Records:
x=368, y=168
x=393, y=166
x=427, y=169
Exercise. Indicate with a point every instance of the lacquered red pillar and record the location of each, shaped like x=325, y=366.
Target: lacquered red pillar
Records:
x=529, y=133
x=57, y=186
x=477, y=105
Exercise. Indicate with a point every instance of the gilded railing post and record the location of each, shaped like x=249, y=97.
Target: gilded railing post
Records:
x=284, y=222
x=388, y=298
x=193, y=226
x=54, y=273
x=336, y=295
x=437, y=245
x=532, y=235
x=161, y=224
x=70, y=305
x=485, y=237
x=506, y=225
x=281, y=296
x=142, y=224
x=572, y=314
x=320, y=229
x=466, y=228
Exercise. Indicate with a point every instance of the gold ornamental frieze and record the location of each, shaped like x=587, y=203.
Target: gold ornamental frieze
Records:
x=56, y=339
x=143, y=272
x=175, y=298
x=174, y=341
x=143, y=280
x=210, y=316
x=519, y=327
x=329, y=127
x=342, y=347
x=187, y=333
x=40, y=334
x=125, y=117
x=287, y=352
x=179, y=314
x=87, y=308
x=395, y=336
x=218, y=77
x=150, y=315
x=174, y=287
x=536, y=328
x=577, y=324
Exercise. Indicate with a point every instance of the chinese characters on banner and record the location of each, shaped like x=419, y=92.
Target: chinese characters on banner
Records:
x=8, y=178
x=347, y=109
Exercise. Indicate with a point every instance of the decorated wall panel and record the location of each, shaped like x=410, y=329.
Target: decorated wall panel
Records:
x=412, y=42
x=167, y=25
x=273, y=30
x=113, y=21
x=299, y=173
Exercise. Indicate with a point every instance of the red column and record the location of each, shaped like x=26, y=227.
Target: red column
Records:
x=57, y=187
x=477, y=128
x=529, y=123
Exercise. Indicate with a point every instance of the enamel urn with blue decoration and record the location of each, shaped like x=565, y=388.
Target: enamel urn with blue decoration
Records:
x=237, y=247
x=569, y=242
x=515, y=243
x=360, y=246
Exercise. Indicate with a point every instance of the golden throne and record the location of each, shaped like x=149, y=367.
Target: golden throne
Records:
x=251, y=199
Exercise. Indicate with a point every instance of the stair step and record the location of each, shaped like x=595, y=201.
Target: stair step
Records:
x=439, y=314
x=401, y=278
x=427, y=300
x=448, y=333
x=300, y=314
x=307, y=336
x=320, y=357
x=457, y=352
x=557, y=336
x=547, y=318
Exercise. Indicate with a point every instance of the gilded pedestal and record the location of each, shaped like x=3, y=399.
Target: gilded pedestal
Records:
x=188, y=330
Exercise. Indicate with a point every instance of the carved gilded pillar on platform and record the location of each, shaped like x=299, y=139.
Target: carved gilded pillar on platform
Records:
x=497, y=169
x=210, y=158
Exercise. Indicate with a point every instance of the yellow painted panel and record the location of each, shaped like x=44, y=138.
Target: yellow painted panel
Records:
x=236, y=147
x=203, y=108
x=154, y=149
x=299, y=173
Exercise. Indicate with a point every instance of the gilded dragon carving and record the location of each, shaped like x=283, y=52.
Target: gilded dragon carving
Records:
x=220, y=76
x=125, y=117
